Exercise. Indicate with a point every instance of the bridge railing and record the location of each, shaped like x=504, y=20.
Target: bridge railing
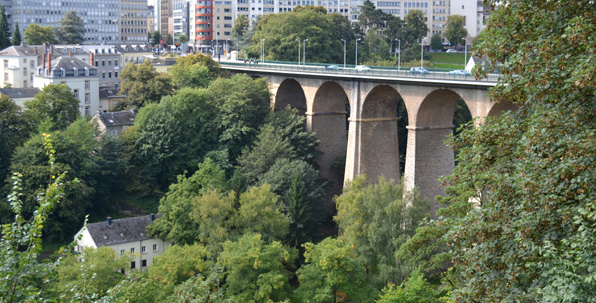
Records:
x=351, y=71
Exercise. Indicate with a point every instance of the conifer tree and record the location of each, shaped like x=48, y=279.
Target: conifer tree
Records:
x=16, y=35
x=4, y=42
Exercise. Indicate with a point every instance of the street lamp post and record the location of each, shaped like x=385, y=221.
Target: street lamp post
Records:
x=262, y=50
x=356, y=61
x=399, y=54
x=298, y=51
x=465, y=52
x=421, y=51
x=304, y=52
x=344, y=52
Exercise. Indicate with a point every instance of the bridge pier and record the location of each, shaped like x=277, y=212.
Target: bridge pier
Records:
x=427, y=159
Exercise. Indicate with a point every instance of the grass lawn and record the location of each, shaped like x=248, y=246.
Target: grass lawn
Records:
x=452, y=58
x=449, y=66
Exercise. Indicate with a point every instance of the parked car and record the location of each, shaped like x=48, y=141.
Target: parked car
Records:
x=331, y=67
x=361, y=68
x=452, y=50
x=460, y=72
x=418, y=70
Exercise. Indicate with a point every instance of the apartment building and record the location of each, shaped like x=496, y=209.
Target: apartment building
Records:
x=133, y=21
x=19, y=63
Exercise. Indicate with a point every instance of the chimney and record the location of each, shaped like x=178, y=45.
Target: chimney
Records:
x=43, y=62
x=152, y=217
x=49, y=62
x=91, y=59
x=109, y=221
x=36, y=51
x=70, y=54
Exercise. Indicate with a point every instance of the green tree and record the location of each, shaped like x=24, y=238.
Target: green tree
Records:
x=182, y=39
x=137, y=287
x=527, y=236
x=72, y=29
x=415, y=290
x=436, y=42
x=178, y=264
x=180, y=201
x=241, y=107
x=16, y=35
x=36, y=34
x=322, y=30
x=169, y=39
x=415, y=28
x=55, y=104
x=255, y=270
x=89, y=275
x=195, y=71
x=141, y=84
x=14, y=130
x=455, y=31
x=369, y=16
x=156, y=38
x=260, y=212
x=240, y=27
x=25, y=277
x=4, y=29
x=331, y=274
x=375, y=220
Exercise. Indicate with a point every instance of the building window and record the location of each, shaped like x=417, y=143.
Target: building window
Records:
x=25, y=60
x=76, y=71
x=103, y=62
x=96, y=63
x=109, y=74
x=142, y=249
x=132, y=265
x=87, y=111
x=122, y=251
x=143, y=263
x=32, y=65
x=115, y=74
x=87, y=84
x=24, y=71
x=87, y=98
x=103, y=75
x=114, y=133
x=154, y=246
x=25, y=83
x=132, y=250
x=76, y=93
x=115, y=62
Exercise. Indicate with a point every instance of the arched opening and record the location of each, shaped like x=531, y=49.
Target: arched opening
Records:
x=328, y=120
x=428, y=158
x=499, y=107
x=379, y=148
x=291, y=93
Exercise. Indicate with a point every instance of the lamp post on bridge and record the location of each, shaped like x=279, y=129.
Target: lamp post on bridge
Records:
x=356, y=61
x=262, y=50
x=399, y=51
x=421, y=51
x=344, y=52
x=298, y=50
x=304, y=52
x=465, y=52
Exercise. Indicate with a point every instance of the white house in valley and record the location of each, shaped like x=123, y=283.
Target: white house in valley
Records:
x=124, y=235
x=19, y=63
x=81, y=77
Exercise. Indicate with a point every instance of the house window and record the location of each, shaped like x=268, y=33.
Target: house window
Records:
x=25, y=83
x=76, y=93
x=154, y=246
x=132, y=265
x=76, y=71
x=115, y=62
x=25, y=60
x=114, y=133
x=87, y=111
x=86, y=71
x=143, y=263
x=109, y=74
x=96, y=62
x=103, y=75
x=132, y=250
x=32, y=65
x=24, y=71
x=87, y=84
x=142, y=249
x=87, y=98
x=122, y=251
x=109, y=62
x=115, y=74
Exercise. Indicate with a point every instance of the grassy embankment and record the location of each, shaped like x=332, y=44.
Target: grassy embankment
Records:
x=449, y=60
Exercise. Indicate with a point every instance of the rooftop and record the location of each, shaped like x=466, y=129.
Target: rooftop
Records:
x=111, y=232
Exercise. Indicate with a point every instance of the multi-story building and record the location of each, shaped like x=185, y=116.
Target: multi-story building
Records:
x=124, y=235
x=19, y=63
x=475, y=15
x=165, y=13
x=133, y=21
x=82, y=78
x=151, y=21
x=180, y=18
x=100, y=16
x=108, y=60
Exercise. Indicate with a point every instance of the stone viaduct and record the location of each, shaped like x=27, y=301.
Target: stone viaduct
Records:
x=371, y=144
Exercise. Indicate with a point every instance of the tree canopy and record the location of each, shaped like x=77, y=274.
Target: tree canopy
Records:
x=16, y=35
x=36, y=34
x=415, y=28
x=455, y=31
x=4, y=29
x=71, y=29
x=54, y=104
x=141, y=84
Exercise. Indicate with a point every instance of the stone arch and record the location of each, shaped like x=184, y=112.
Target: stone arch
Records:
x=290, y=93
x=428, y=158
x=499, y=107
x=328, y=119
x=379, y=150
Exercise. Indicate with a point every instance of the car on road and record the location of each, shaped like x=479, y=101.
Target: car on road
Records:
x=361, y=68
x=418, y=70
x=460, y=72
x=452, y=50
x=332, y=67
